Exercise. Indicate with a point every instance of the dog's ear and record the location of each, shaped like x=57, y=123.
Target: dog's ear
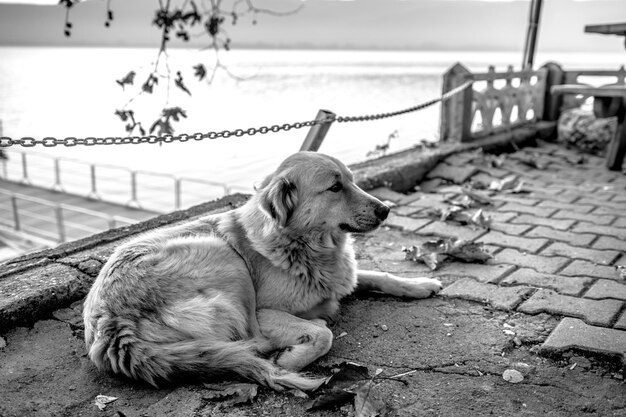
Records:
x=279, y=199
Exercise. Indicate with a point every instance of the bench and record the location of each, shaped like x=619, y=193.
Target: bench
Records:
x=608, y=101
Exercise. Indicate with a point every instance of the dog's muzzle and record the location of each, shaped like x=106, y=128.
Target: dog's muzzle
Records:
x=381, y=211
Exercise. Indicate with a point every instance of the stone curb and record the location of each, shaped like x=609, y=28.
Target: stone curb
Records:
x=24, y=300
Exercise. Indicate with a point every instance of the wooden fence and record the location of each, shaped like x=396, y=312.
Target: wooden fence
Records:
x=501, y=101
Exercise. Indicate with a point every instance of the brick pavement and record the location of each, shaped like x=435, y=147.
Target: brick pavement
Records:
x=555, y=246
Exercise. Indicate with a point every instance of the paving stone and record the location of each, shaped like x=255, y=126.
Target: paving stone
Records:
x=521, y=208
x=456, y=174
x=585, y=227
x=503, y=298
x=621, y=322
x=509, y=228
x=494, y=172
x=606, y=288
x=521, y=243
x=481, y=272
x=594, y=255
x=573, y=333
x=608, y=211
x=580, y=208
x=590, y=269
x=609, y=242
x=576, y=239
x=591, y=218
x=597, y=312
x=431, y=201
x=509, y=198
x=404, y=210
x=545, y=264
x=430, y=186
x=498, y=216
x=562, y=285
x=606, y=204
x=566, y=198
x=386, y=194
x=406, y=223
x=408, y=198
x=621, y=221
x=563, y=224
x=444, y=229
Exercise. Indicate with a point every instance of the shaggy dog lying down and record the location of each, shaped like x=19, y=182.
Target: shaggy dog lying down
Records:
x=247, y=291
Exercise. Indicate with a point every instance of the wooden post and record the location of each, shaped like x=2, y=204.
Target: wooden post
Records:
x=456, y=113
x=317, y=132
x=551, y=104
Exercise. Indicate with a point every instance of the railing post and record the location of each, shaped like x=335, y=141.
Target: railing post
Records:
x=456, y=112
x=317, y=132
x=60, y=224
x=25, y=179
x=133, y=190
x=57, y=176
x=177, y=193
x=94, y=191
x=16, y=215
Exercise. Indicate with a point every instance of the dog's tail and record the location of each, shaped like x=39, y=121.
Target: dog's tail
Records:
x=155, y=362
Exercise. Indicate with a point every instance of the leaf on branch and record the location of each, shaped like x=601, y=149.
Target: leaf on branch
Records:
x=199, y=71
x=231, y=394
x=164, y=127
x=434, y=252
x=174, y=113
x=180, y=83
x=148, y=86
x=128, y=79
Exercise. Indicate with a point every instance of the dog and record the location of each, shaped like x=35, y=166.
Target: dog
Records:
x=248, y=291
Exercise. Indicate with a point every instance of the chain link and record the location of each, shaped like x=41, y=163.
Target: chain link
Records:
x=29, y=142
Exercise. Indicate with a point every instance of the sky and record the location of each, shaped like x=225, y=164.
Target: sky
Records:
x=352, y=24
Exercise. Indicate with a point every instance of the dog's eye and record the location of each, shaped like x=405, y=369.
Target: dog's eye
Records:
x=336, y=187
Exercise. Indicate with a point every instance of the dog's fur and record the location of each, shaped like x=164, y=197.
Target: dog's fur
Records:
x=246, y=291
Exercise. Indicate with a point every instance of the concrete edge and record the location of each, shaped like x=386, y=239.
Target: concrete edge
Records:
x=400, y=171
x=404, y=170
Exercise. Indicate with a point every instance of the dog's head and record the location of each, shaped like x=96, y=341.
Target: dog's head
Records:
x=312, y=191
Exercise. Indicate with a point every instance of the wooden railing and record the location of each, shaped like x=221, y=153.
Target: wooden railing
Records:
x=497, y=101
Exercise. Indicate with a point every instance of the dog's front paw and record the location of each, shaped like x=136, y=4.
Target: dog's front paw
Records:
x=419, y=287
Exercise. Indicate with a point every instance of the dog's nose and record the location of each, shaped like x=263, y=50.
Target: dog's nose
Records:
x=382, y=211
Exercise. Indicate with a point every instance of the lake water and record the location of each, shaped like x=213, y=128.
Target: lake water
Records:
x=72, y=92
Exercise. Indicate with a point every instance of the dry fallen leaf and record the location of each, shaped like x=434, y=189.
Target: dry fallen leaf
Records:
x=433, y=252
x=365, y=403
x=232, y=394
x=103, y=400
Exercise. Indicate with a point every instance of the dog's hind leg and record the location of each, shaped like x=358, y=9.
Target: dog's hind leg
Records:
x=298, y=342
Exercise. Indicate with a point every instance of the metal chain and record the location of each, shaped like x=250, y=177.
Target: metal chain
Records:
x=49, y=142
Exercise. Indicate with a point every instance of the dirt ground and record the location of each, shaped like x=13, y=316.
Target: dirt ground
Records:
x=455, y=352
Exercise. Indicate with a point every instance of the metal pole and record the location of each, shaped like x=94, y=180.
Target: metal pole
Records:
x=57, y=176
x=16, y=216
x=133, y=190
x=60, y=225
x=94, y=191
x=25, y=179
x=177, y=192
x=531, y=34
x=317, y=132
